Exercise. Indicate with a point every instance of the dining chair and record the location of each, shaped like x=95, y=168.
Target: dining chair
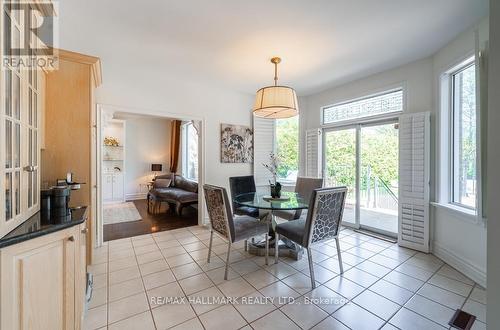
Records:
x=242, y=185
x=231, y=228
x=322, y=223
x=304, y=187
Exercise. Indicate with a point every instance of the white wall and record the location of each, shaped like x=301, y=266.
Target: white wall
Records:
x=458, y=242
x=493, y=307
x=147, y=142
x=157, y=92
x=415, y=77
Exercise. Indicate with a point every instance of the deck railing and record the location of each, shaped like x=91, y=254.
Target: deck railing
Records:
x=375, y=193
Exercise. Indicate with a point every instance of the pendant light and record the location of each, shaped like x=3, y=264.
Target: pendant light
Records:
x=275, y=102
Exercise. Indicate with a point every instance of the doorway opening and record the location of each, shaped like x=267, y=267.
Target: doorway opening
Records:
x=364, y=157
x=147, y=169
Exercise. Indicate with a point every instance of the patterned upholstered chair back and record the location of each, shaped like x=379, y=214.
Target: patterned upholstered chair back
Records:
x=325, y=214
x=219, y=211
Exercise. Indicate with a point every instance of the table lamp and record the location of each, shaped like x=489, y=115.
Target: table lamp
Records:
x=155, y=168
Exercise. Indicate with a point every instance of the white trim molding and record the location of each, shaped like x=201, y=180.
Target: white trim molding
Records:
x=164, y=113
x=401, y=86
x=466, y=267
x=458, y=212
x=445, y=143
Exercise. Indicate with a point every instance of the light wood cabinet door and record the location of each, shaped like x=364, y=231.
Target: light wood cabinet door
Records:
x=118, y=187
x=80, y=274
x=38, y=283
x=107, y=187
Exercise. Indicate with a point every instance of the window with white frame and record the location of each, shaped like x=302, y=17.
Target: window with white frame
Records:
x=287, y=148
x=463, y=180
x=189, y=151
x=373, y=105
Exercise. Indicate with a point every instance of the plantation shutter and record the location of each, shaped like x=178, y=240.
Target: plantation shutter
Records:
x=414, y=166
x=263, y=134
x=313, y=161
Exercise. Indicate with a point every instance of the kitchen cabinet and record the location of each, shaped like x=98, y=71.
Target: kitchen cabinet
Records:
x=107, y=187
x=112, y=187
x=49, y=110
x=81, y=274
x=42, y=281
x=118, y=187
x=21, y=97
x=70, y=129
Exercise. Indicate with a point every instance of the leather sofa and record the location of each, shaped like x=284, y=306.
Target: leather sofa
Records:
x=179, y=193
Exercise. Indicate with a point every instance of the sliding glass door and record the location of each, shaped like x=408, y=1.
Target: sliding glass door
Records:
x=364, y=157
x=379, y=178
x=340, y=167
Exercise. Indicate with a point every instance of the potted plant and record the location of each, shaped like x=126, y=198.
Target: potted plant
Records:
x=272, y=167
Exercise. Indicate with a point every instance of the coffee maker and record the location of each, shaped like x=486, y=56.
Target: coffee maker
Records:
x=55, y=200
x=55, y=203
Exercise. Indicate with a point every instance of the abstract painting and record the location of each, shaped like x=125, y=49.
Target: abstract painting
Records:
x=236, y=143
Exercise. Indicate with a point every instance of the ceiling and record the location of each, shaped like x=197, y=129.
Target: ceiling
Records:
x=229, y=42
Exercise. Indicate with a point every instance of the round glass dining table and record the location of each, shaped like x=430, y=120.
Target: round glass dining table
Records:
x=289, y=201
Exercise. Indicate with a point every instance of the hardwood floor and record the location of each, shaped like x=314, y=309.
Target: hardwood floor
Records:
x=151, y=223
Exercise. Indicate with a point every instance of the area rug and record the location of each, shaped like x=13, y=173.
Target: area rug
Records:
x=122, y=212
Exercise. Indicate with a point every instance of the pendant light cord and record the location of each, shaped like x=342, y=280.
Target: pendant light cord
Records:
x=275, y=74
x=275, y=61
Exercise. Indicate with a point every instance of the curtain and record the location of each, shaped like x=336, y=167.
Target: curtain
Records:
x=175, y=143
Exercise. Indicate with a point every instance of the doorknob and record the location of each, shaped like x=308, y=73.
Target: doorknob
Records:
x=29, y=168
x=85, y=230
x=71, y=238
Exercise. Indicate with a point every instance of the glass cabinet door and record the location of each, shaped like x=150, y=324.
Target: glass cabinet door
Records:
x=32, y=168
x=13, y=142
x=19, y=128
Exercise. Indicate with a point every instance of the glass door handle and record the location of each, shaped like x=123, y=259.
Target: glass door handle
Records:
x=29, y=168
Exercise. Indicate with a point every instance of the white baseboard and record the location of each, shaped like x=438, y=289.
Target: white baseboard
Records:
x=475, y=273
x=133, y=197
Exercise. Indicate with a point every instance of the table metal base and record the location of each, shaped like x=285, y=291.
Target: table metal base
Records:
x=286, y=247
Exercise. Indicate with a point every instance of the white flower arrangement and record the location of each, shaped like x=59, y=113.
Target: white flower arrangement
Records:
x=272, y=166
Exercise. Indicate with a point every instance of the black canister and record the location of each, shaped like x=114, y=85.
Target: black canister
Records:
x=54, y=206
x=46, y=195
x=59, y=201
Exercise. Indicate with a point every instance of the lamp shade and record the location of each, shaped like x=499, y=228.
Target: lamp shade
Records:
x=276, y=102
x=156, y=167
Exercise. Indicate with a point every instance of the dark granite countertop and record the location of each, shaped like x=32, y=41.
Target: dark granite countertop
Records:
x=36, y=226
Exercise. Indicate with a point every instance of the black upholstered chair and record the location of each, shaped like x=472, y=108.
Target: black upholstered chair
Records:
x=233, y=229
x=242, y=185
x=321, y=223
x=304, y=187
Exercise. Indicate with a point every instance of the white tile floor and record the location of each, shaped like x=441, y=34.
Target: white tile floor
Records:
x=383, y=287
